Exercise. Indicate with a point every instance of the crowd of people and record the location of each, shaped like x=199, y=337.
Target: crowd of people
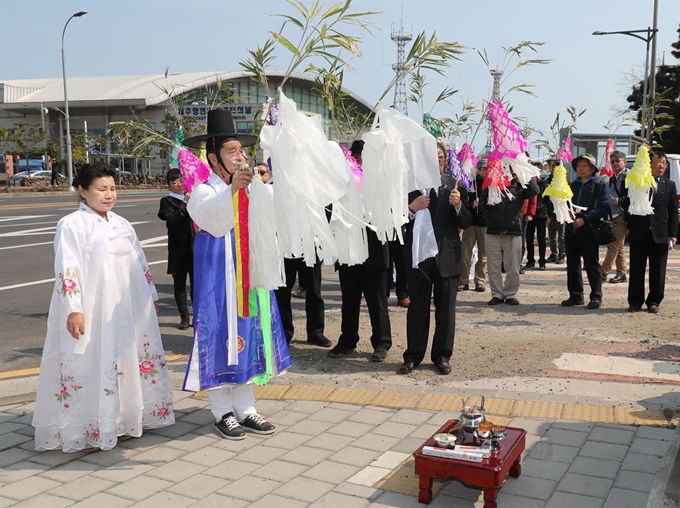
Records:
x=103, y=374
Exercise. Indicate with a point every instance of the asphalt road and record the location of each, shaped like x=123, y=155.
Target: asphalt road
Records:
x=27, y=226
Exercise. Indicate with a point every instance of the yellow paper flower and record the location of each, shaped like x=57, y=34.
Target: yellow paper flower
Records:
x=641, y=173
x=559, y=186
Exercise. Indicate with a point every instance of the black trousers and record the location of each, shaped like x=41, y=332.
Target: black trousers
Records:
x=577, y=245
x=657, y=254
x=536, y=227
x=179, y=286
x=310, y=280
x=418, y=316
x=355, y=280
x=397, y=260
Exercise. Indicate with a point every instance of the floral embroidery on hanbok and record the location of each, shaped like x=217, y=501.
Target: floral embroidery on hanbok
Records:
x=69, y=283
x=68, y=387
x=149, y=364
x=147, y=274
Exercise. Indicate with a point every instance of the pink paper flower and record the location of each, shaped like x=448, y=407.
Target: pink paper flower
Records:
x=148, y=276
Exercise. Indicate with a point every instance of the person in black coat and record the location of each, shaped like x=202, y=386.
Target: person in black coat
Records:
x=503, y=240
x=370, y=278
x=536, y=227
x=310, y=281
x=651, y=237
x=590, y=193
x=173, y=210
x=449, y=211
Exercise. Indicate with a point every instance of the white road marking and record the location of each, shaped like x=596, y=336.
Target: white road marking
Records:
x=27, y=245
x=618, y=365
x=22, y=217
x=44, y=281
x=145, y=243
x=27, y=224
x=30, y=232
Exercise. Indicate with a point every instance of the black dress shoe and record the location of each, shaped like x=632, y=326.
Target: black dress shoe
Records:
x=495, y=301
x=319, y=341
x=406, y=368
x=653, y=309
x=634, y=309
x=443, y=368
x=594, y=304
x=571, y=301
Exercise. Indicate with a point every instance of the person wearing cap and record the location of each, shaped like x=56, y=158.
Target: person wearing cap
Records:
x=475, y=234
x=616, y=251
x=651, y=237
x=590, y=194
x=229, y=353
x=370, y=278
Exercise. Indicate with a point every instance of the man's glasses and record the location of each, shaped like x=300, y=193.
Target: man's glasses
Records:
x=263, y=172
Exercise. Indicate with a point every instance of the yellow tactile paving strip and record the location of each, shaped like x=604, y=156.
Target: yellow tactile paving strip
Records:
x=500, y=411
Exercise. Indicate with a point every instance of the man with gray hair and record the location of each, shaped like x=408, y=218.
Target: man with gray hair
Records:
x=617, y=193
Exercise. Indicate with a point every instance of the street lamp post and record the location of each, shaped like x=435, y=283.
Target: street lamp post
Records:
x=69, y=154
x=649, y=35
x=43, y=110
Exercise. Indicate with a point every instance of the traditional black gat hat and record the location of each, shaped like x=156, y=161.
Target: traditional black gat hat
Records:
x=220, y=125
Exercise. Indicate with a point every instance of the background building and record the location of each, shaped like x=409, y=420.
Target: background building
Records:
x=94, y=102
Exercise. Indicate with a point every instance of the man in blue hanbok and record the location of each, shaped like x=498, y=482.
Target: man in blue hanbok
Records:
x=230, y=353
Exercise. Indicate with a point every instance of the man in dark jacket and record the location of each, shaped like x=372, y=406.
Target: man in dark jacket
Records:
x=651, y=237
x=590, y=193
x=475, y=234
x=503, y=240
x=536, y=227
x=449, y=213
x=371, y=279
x=173, y=210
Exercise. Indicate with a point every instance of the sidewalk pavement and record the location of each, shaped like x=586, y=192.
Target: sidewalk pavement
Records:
x=339, y=446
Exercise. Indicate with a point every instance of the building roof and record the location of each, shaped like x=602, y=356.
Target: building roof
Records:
x=136, y=90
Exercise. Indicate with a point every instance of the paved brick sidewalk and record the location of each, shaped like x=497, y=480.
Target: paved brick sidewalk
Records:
x=324, y=454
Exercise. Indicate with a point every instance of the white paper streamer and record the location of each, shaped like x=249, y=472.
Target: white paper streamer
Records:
x=265, y=260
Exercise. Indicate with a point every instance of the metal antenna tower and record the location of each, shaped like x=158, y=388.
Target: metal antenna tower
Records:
x=495, y=96
x=401, y=38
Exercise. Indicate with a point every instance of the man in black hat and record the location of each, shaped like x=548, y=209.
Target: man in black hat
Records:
x=230, y=353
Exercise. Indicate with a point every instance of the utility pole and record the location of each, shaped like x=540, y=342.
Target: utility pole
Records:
x=652, y=85
x=401, y=38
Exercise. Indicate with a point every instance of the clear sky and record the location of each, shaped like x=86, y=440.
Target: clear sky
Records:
x=119, y=37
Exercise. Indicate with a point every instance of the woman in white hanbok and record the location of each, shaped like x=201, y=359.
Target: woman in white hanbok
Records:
x=103, y=373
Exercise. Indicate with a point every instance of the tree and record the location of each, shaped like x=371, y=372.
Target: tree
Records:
x=666, y=106
x=24, y=139
x=81, y=143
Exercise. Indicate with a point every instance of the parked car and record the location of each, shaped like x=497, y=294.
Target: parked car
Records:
x=22, y=179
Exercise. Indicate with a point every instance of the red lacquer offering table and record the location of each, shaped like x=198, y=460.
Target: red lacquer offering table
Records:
x=488, y=474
